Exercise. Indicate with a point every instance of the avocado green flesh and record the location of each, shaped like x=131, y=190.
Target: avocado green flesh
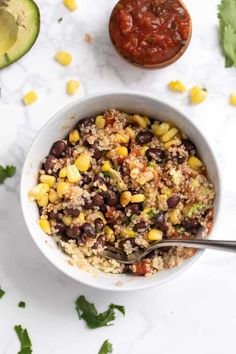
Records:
x=20, y=23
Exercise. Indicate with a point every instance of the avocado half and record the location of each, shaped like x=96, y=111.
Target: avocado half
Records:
x=19, y=29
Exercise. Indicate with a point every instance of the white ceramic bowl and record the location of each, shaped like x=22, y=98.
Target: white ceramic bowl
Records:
x=57, y=128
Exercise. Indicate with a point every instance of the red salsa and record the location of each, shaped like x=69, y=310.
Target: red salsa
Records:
x=149, y=32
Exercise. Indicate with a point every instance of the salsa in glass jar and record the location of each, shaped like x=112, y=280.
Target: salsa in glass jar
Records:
x=150, y=32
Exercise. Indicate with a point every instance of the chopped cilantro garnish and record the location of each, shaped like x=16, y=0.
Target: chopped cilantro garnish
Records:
x=60, y=20
x=26, y=345
x=177, y=227
x=22, y=304
x=106, y=348
x=150, y=212
x=106, y=174
x=6, y=172
x=2, y=293
x=89, y=314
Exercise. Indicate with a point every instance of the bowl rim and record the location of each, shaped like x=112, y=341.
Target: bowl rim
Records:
x=179, y=269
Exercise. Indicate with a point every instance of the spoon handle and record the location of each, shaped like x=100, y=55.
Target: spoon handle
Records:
x=228, y=246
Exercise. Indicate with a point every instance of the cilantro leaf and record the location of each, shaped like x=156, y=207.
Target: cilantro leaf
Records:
x=2, y=293
x=106, y=174
x=21, y=304
x=106, y=348
x=227, y=15
x=6, y=172
x=26, y=345
x=88, y=312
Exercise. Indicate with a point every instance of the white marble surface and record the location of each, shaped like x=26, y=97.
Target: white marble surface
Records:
x=194, y=313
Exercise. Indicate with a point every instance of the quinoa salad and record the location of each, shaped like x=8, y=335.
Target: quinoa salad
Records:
x=124, y=180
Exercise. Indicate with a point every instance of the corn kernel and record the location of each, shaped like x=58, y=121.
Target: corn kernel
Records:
x=81, y=218
x=110, y=235
x=195, y=163
x=128, y=233
x=45, y=226
x=177, y=86
x=30, y=98
x=161, y=129
x=197, y=95
x=130, y=132
x=43, y=201
x=137, y=198
x=48, y=179
x=67, y=220
x=74, y=136
x=72, y=87
x=174, y=216
x=100, y=122
x=63, y=58
x=106, y=166
x=38, y=191
x=53, y=197
x=232, y=99
x=62, y=188
x=101, y=216
x=122, y=139
x=169, y=135
x=125, y=198
x=71, y=4
x=155, y=235
x=147, y=120
x=62, y=173
x=139, y=120
x=73, y=174
x=83, y=162
x=143, y=150
x=122, y=151
x=176, y=141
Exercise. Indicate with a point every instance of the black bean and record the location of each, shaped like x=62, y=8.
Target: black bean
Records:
x=126, y=269
x=98, y=200
x=112, y=199
x=88, y=204
x=155, y=154
x=103, y=208
x=54, y=215
x=140, y=227
x=99, y=224
x=61, y=227
x=131, y=240
x=190, y=224
x=49, y=164
x=88, y=230
x=69, y=151
x=98, y=181
x=132, y=209
x=100, y=242
x=144, y=137
x=73, y=231
x=97, y=154
x=85, y=180
x=72, y=211
x=160, y=222
x=58, y=148
x=173, y=201
x=86, y=122
x=189, y=146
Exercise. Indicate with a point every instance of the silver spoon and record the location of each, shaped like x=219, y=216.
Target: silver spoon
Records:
x=119, y=255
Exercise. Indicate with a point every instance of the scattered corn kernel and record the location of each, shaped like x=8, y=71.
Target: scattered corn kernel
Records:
x=139, y=120
x=110, y=235
x=81, y=218
x=83, y=162
x=45, y=226
x=130, y=132
x=161, y=129
x=147, y=120
x=63, y=58
x=232, y=99
x=62, y=188
x=73, y=174
x=74, y=136
x=155, y=235
x=174, y=216
x=128, y=233
x=72, y=87
x=122, y=139
x=106, y=166
x=71, y=4
x=177, y=86
x=62, y=173
x=101, y=216
x=48, y=179
x=100, y=122
x=169, y=135
x=137, y=198
x=176, y=141
x=67, y=220
x=143, y=150
x=195, y=163
x=122, y=151
x=43, y=201
x=52, y=196
x=38, y=191
x=198, y=95
x=125, y=198
x=30, y=98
